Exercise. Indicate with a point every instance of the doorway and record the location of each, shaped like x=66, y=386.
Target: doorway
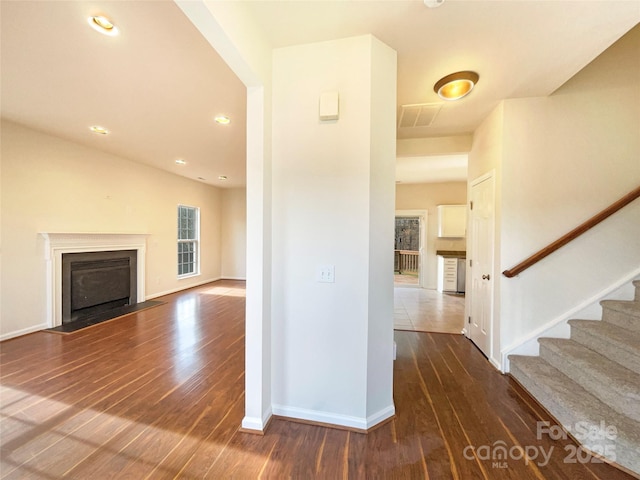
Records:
x=410, y=235
x=482, y=213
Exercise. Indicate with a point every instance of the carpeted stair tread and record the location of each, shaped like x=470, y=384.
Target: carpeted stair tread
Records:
x=616, y=343
x=570, y=404
x=607, y=380
x=631, y=307
x=624, y=313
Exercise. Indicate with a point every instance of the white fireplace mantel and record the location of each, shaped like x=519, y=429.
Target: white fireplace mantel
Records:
x=58, y=243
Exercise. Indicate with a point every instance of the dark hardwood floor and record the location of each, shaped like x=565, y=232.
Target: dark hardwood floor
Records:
x=160, y=394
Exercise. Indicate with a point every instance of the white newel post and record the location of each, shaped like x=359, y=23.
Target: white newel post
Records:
x=57, y=244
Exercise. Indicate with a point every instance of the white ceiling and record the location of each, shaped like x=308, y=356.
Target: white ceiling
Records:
x=519, y=48
x=158, y=85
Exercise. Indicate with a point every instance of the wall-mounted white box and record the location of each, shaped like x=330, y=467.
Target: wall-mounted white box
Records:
x=329, y=106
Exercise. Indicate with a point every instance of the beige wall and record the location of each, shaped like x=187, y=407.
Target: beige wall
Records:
x=427, y=196
x=419, y=147
x=52, y=185
x=234, y=233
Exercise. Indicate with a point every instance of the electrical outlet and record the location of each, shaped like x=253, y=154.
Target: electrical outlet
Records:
x=326, y=274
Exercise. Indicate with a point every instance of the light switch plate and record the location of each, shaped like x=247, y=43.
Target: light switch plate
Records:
x=326, y=274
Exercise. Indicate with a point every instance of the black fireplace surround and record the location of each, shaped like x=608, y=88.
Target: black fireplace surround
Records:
x=96, y=282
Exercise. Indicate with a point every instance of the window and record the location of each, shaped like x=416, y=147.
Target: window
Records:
x=188, y=237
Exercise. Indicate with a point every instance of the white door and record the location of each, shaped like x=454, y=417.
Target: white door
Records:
x=481, y=257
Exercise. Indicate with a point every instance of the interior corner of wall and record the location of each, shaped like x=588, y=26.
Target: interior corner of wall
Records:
x=497, y=364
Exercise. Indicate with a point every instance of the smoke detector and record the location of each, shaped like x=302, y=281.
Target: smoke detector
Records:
x=433, y=3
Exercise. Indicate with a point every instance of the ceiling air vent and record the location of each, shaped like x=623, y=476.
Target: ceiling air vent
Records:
x=418, y=115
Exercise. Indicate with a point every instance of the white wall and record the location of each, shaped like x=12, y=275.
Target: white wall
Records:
x=560, y=160
x=566, y=158
x=234, y=233
x=427, y=196
x=486, y=156
x=381, y=233
x=333, y=189
x=52, y=185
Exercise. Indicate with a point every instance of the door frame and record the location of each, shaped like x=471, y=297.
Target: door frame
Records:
x=424, y=217
x=492, y=241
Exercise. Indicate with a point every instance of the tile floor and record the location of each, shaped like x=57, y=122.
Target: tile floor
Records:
x=405, y=279
x=422, y=310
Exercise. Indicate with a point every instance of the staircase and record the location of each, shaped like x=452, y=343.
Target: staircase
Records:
x=591, y=382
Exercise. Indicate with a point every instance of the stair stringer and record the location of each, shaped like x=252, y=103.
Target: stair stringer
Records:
x=559, y=327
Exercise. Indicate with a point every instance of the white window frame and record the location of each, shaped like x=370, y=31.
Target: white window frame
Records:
x=185, y=241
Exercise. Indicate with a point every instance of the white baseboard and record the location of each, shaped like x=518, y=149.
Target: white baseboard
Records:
x=253, y=423
x=257, y=424
x=337, y=419
x=179, y=289
x=558, y=327
x=380, y=416
x=23, y=331
x=42, y=326
x=244, y=279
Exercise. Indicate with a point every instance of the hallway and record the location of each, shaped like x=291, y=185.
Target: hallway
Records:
x=423, y=310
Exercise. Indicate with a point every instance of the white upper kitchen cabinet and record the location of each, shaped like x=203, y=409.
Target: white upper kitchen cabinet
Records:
x=452, y=221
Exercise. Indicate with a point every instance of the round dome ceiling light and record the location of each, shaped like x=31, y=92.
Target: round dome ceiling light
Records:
x=99, y=130
x=223, y=120
x=103, y=25
x=456, y=85
x=181, y=162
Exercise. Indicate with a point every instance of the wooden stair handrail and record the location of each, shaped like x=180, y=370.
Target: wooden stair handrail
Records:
x=573, y=234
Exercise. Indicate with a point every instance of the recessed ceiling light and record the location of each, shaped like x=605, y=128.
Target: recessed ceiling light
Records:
x=103, y=25
x=456, y=85
x=99, y=130
x=181, y=162
x=222, y=177
x=223, y=120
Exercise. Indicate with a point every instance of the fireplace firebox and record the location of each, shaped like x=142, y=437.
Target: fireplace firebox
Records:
x=96, y=282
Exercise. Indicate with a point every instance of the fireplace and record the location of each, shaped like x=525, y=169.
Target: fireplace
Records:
x=96, y=282
x=59, y=245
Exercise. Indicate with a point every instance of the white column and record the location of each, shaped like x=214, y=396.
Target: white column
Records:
x=333, y=206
